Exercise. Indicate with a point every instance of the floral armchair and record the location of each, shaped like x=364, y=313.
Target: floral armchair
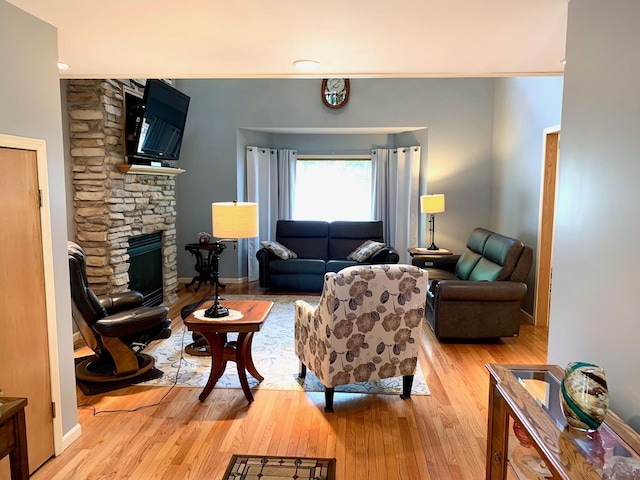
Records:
x=366, y=327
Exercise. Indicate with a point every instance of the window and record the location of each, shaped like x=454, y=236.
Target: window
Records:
x=332, y=189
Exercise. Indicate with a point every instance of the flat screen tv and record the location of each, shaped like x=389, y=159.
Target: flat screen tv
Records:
x=157, y=123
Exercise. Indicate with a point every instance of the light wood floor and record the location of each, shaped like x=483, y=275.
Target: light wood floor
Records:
x=441, y=436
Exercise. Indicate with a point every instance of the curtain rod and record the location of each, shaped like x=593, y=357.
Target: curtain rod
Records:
x=333, y=156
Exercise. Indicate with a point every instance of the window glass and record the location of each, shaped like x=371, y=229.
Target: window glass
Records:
x=332, y=190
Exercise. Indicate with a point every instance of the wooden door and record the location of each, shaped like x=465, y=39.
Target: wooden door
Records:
x=24, y=352
x=545, y=236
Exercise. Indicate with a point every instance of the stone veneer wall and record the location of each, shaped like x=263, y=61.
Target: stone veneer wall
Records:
x=111, y=206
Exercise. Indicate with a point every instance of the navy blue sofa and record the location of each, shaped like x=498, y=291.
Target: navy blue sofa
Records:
x=321, y=247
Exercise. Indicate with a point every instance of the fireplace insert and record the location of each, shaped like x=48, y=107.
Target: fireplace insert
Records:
x=145, y=266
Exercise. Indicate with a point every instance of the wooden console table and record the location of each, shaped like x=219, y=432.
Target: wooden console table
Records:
x=13, y=436
x=528, y=436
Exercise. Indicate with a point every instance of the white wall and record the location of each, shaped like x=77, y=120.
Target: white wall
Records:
x=524, y=107
x=30, y=107
x=594, y=315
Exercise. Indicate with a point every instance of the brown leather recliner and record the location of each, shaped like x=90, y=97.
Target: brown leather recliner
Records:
x=116, y=327
x=479, y=294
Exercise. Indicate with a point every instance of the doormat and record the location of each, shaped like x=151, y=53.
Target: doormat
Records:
x=259, y=467
x=96, y=388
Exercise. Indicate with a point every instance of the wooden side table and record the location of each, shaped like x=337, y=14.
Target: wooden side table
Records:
x=413, y=251
x=206, y=266
x=13, y=436
x=215, y=331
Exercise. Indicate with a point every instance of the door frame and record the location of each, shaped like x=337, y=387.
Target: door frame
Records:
x=548, y=187
x=40, y=147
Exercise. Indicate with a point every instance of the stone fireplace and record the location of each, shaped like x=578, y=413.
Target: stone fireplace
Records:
x=112, y=206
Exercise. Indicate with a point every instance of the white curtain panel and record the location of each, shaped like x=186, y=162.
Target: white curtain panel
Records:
x=395, y=195
x=270, y=183
x=286, y=183
x=261, y=183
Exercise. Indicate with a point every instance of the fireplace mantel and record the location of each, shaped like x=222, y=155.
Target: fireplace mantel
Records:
x=148, y=169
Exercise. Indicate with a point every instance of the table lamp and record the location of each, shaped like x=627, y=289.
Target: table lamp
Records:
x=231, y=221
x=432, y=204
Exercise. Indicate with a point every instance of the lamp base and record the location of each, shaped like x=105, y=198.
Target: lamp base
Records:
x=433, y=247
x=216, y=311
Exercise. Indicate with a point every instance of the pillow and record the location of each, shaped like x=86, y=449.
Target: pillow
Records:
x=364, y=251
x=279, y=250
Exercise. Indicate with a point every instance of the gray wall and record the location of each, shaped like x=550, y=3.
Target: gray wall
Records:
x=30, y=99
x=524, y=107
x=596, y=255
x=456, y=113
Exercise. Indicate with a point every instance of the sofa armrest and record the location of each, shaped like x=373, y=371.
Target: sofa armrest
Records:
x=463, y=290
x=117, y=302
x=386, y=255
x=439, y=262
x=264, y=256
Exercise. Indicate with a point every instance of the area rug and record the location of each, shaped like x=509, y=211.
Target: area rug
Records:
x=255, y=467
x=273, y=355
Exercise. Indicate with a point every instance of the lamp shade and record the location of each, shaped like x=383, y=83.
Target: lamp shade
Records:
x=432, y=203
x=234, y=219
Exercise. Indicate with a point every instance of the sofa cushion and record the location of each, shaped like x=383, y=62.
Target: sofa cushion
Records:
x=337, y=265
x=485, y=270
x=478, y=239
x=308, y=238
x=439, y=274
x=279, y=250
x=297, y=266
x=345, y=236
x=466, y=263
x=365, y=250
x=504, y=251
x=470, y=257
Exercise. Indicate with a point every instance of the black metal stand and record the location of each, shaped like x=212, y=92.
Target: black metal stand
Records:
x=216, y=310
x=204, y=264
x=432, y=224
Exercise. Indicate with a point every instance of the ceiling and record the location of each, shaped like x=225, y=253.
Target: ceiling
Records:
x=262, y=38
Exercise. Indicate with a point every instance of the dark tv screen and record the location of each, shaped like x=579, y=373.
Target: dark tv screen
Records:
x=160, y=124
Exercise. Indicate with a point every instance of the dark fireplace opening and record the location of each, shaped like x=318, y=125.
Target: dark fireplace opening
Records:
x=145, y=266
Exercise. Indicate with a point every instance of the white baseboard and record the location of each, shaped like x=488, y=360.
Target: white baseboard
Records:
x=527, y=317
x=234, y=280
x=70, y=437
x=183, y=280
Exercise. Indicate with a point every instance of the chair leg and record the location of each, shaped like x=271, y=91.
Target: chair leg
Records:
x=407, y=383
x=328, y=399
x=303, y=371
